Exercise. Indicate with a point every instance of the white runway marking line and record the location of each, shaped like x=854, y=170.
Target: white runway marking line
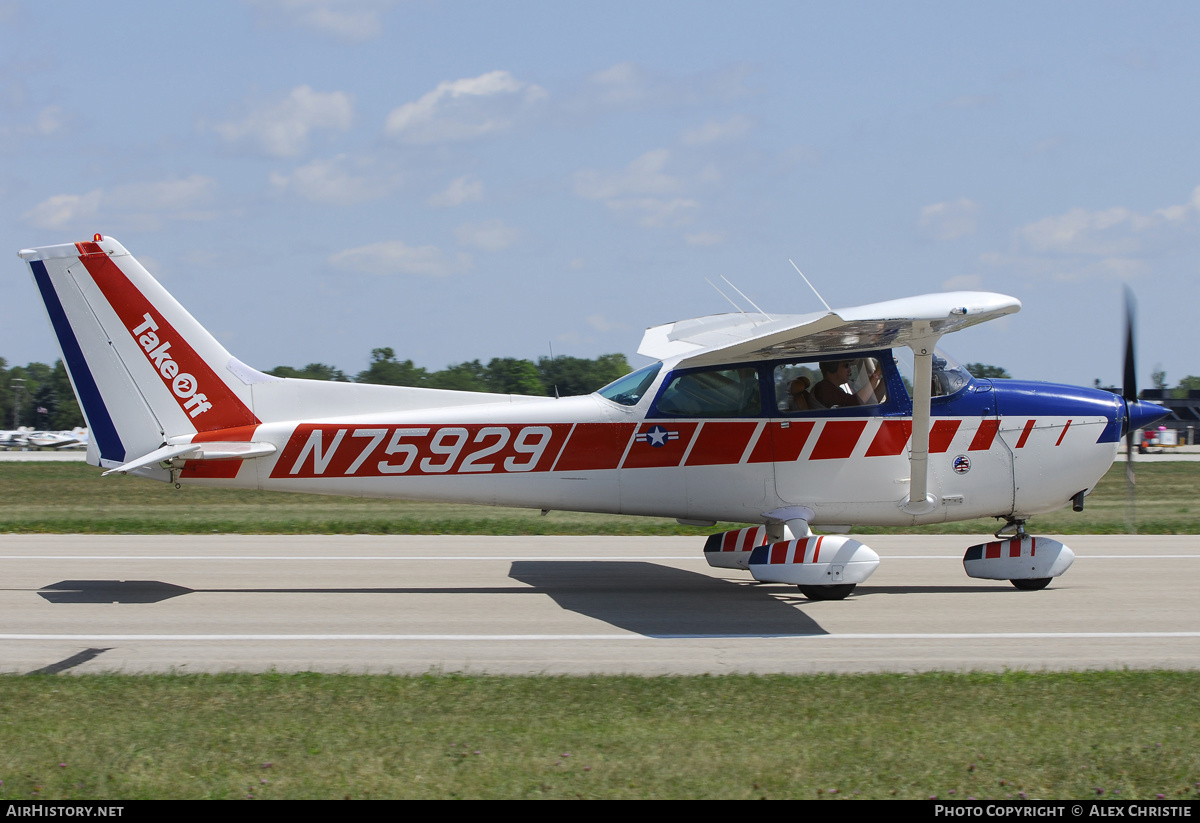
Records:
x=337, y=558
x=107, y=638
x=510, y=558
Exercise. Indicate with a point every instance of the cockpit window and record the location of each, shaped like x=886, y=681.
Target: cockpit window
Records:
x=727, y=392
x=628, y=390
x=948, y=375
x=829, y=384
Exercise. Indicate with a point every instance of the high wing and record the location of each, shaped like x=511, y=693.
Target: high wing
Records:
x=723, y=338
x=916, y=322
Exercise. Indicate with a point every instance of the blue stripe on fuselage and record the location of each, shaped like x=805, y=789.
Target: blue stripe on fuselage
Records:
x=1026, y=398
x=100, y=424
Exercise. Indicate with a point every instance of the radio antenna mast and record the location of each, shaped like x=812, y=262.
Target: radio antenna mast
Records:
x=811, y=286
x=726, y=296
x=748, y=300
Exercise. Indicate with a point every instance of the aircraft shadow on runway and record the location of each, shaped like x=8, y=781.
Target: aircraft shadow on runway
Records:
x=660, y=601
x=647, y=598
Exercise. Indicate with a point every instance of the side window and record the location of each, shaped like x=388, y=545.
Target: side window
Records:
x=713, y=393
x=830, y=384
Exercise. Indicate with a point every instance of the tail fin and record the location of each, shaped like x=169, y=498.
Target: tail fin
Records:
x=142, y=367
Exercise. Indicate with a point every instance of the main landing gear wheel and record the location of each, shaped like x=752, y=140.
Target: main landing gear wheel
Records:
x=839, y=592
x=1032, y=584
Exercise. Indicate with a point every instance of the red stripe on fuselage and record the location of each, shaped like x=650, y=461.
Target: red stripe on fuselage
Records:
x=837, y=439
x=984, y=436
x=941, y=435
x=891, y=438
x=1025, y=434
x=720, y=443
x=1064, y=433
x=781, y=442
x=595, y=447
x=131, y=307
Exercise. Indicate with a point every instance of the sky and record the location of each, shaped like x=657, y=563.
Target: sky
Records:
x=314, y=179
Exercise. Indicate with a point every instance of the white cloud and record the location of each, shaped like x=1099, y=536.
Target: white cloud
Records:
x=463, y=109
x=628, y=85
x=350, y=21
x=490, y=235
x=623, y=84
x=642, y=188
x=1113, y=231
x=461, y=190
x=1080, y=231
x=397, y=257
x=1108, y=243
x=330, y=181
x=281, y=129
x=644, y=175
x=63, y=210
x=655, y=213
x=50, y=120
x=163, y=195
x=718, y=131
x=145, y=205
x=949, y=220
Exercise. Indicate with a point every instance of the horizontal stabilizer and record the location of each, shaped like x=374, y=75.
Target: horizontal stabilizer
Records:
x=197, y=451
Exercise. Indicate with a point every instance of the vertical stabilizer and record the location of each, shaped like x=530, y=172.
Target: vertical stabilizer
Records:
x=142, y=367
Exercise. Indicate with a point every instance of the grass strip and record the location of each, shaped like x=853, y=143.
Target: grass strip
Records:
x=1123, y=734
x=65, y=498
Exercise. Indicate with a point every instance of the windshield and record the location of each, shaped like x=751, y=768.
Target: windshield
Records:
x=631, y=388
x=948, y=375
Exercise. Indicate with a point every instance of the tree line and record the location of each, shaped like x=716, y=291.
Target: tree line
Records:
x=40, y=396
x=502, y=375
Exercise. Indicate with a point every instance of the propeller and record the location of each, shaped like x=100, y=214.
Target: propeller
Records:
x=1129, y=392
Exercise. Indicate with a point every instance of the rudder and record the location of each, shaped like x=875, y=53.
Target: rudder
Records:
x=141, y=366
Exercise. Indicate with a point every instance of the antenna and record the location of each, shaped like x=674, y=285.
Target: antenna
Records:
x=748, y=300
x=723, y=294
x=551, y=343
x=810, y=285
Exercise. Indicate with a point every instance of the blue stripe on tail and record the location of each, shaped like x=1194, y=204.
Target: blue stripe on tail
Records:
x=100, y=425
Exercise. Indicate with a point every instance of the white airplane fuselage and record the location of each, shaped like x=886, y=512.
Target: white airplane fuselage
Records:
x=751, y=419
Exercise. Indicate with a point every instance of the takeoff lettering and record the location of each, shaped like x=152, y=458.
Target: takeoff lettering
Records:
x=183, y=385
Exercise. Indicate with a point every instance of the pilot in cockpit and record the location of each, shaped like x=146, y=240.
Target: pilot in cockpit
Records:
x=828, y=391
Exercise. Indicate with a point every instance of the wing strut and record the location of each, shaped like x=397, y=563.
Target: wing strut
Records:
x=919, y=500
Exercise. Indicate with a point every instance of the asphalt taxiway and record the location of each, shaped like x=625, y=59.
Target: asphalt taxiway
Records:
x=572, y=605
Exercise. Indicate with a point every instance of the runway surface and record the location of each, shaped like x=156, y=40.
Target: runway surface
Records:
x=570, y=605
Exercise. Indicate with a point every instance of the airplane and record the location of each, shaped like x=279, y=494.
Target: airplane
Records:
x=784, y=422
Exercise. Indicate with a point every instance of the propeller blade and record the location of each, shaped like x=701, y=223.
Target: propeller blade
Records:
x=1129, y=383
x=1129, y=392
